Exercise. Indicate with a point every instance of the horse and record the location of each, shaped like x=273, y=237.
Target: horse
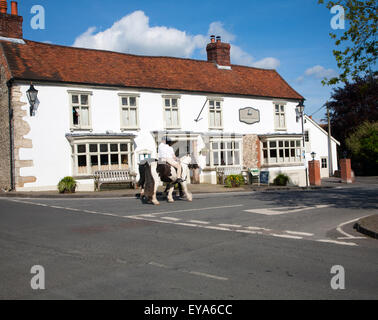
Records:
x=153, y=173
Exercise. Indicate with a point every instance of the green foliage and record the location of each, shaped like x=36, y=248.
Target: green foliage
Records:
x=363, y=143
x=67, y=185
x=357, y=51
x=234, y=181
x=281, y=180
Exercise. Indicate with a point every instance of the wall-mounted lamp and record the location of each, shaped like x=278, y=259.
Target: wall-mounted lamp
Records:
x=313, y=155
x=32, y=95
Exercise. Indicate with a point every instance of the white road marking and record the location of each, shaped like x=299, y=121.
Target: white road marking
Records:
x=249, y=232
x=216, y=228
x=197, y=209
x=186, y=224
x=206, y=275
x=230, y=225
x=300, y=233
x=281, y=210
x=338, y=242
x=347, y=235
x=258, y=228
x=285, y=236
x=196, y=273
x=198, y=222
x=171, y=219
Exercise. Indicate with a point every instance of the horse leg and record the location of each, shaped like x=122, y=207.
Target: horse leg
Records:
x=188, y=195
x=154, y=199
x=170, y=194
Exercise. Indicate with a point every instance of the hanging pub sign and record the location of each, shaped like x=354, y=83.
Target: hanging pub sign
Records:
x=249, y=115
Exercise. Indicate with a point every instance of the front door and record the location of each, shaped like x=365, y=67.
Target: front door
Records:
x=324, y=171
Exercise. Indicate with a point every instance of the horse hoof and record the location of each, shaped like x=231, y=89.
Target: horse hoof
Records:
x=171, y=201
x=156, y=203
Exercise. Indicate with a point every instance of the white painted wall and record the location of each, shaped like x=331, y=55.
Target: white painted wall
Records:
x=319, y=145
x=51, y=150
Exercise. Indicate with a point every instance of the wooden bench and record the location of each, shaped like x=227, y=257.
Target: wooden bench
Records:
x=114, y=177
x=224, y=172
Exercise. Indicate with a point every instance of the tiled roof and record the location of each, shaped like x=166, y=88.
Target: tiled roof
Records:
x=36, y=61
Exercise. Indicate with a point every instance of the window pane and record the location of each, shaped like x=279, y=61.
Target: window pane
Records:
x=237, y=158
x=124, y=147
x=277, y=108
x=133, y=117
x=93, y=148
x=174, y=102
x=104, y=159
x=292, y=152
x=132, y=101
x=287, y=144
x=82, y=161
x=168, y=118
x=282, y=109
x=104, y=148
x=223, y=158
x=94, y=161
x=82, y=148
x=229, y=145
x=114, y=147
x=265, y=145
x=273, y=144
x=75, y=116
x=292, y=144
x=124, y=101
x=114, y=159
x=298, y=143
x=218, y=104
x=75, y=99
x=167, y=103
x=124, y=159
x=237, y=145
x=215, y=146
x=212, y=119
x=84, y=116
x=216, y=159
x=273, y=153
x=287, y=154
x=175, y=120
x=211, y=103
x=280, y=144
x=230, y=160
x=218, y=119
x=84, y=99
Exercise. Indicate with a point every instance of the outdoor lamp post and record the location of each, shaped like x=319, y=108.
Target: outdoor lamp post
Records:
x=32, y=94
x=300, y=110
x=313, y=155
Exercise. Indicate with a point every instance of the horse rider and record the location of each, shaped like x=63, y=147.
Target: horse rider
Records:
x=167, y=154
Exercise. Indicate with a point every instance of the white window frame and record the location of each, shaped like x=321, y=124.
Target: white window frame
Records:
x=122, y=107
x=72, y=105
x=170, y=108
x=321, y=162
x=88, y=154
x=225, y=150
x=282, y=146
x=277, y=122
x=212, y=126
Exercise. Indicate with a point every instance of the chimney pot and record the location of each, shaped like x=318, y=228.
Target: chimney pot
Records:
x=14, y=8
x=3, y=6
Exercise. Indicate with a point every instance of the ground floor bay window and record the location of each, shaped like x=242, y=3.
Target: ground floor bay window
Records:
x=282, y=150
x=89, y=156
x=224, y=152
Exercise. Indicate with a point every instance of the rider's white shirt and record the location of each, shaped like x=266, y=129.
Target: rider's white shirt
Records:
x=166, y=152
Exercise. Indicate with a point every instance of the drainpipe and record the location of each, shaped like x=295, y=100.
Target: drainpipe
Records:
x=11, y=140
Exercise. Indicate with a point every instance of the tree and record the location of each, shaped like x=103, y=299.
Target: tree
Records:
x=352, y=105
x=357, y=49
x=363, y=143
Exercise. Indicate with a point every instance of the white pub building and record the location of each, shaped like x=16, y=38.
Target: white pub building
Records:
x=102, y=110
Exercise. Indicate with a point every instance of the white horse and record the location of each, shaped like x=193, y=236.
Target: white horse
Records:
x=154, y=173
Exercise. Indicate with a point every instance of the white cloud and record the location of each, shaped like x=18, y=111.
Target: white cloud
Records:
x=133, y=34
x=317, y=72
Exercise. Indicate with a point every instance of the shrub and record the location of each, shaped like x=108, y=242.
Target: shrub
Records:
x=234, y=181
x=67, y=185
x=281, y=180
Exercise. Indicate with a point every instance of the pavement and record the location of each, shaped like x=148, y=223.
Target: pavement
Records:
x=279, y=244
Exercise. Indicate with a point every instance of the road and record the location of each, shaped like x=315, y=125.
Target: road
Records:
x=257, y=245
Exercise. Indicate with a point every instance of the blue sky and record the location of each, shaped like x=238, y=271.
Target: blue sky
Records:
x=291, y=36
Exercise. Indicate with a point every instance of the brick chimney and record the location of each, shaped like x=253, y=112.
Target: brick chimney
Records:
x=218, y=52
x=10, y=24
